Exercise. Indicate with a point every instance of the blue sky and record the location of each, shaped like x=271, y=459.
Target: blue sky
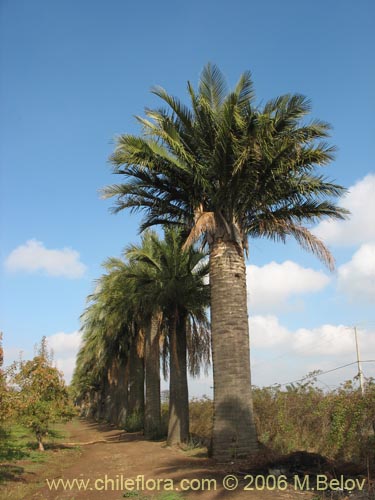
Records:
x=73, y=74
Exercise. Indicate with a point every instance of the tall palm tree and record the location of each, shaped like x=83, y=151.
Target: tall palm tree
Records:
x=105, y=366
x=145, y=288
x=117, y=294
x=227, y=170
x=172, y=280
x=185, y=299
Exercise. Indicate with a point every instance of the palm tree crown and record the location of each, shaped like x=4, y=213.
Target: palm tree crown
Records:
x=228, y=168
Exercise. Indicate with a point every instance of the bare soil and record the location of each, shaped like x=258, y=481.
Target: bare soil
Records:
x=128, y=455
x=115, y=456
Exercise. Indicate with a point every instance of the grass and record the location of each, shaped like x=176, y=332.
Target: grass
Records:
x=18, y=443
x=20, y=459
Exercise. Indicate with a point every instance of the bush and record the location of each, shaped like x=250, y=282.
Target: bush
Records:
x=134, y=421
x=201, y=419
x=338, y=424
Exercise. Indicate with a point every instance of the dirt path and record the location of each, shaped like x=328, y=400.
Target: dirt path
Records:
x=126, y=456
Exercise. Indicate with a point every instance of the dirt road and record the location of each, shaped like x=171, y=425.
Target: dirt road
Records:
x=107, y=470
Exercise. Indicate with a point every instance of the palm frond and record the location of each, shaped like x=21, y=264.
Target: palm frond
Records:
x=245, y=90
x=312, y=244
x=182, y=112
x=204, y=223
x=212, y=86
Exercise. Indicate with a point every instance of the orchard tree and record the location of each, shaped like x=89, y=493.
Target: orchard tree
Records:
x=5, y=393
x=3, y=390
x=42, y=397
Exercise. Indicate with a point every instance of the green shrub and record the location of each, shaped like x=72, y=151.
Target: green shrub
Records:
x=338, y=424
x=134, y=421
x=201, y=419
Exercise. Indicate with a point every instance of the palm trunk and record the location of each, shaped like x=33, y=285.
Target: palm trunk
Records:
x=152, y=367
x=234, y=433
x=96, y=403
x=122, y=395
x=92, y=404
x=178, y=425
x=110, y=406
x=118, y=392
x=136, y=397
x=103, y=398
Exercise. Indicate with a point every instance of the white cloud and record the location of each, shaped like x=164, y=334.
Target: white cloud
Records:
x=66, y=366
x=280, y=355
x=34, y=256
x=11, y=354
x=65, y=343
x=356, y=278
x=65, y=347
x=266, y=331
x=360, y=228
x=270, y=286
x=326, y=340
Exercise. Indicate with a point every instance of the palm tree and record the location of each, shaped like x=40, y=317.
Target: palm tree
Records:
x=123, y=318
x=226, y=170
x=142, y=279
x=172, y=281
x=159, y=289
x=107, y=363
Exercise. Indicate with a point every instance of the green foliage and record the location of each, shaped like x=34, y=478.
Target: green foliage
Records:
x=41, y=397
x=10, y=448
x=201, y=412
x=338, y=424
x=164, y=418
x=18, y=442
x=134, y=421
x=168, y=278
x=6, y=395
